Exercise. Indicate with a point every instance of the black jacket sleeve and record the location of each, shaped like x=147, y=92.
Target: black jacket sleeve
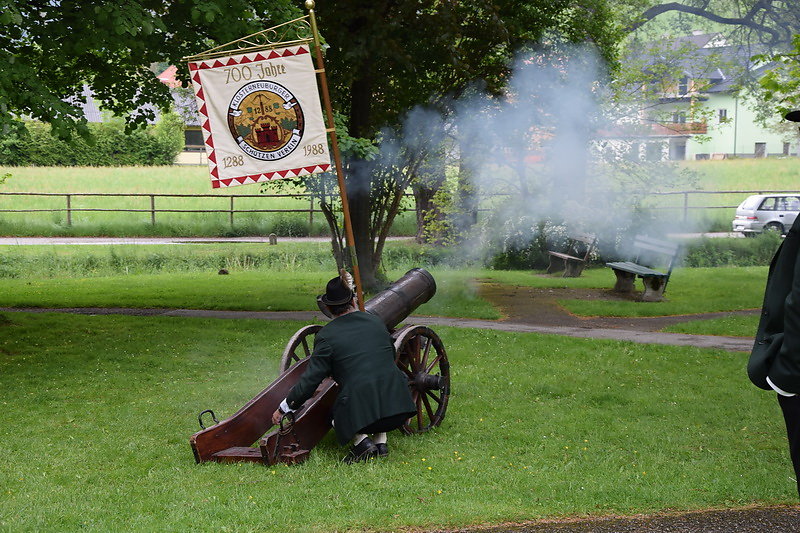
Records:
x=319, y=367
x=785, y=371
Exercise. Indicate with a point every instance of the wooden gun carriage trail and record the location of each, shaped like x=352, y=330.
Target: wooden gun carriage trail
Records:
x=420, y=354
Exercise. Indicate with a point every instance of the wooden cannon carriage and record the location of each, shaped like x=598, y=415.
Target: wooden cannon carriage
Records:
x=249, y=435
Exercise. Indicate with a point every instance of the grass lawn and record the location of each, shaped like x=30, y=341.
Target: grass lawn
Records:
x=151, y=180
x=728, y=175
x=732, y=326
x=97, y=412
x=690, y=290
x=736, y=174
x=242, y=290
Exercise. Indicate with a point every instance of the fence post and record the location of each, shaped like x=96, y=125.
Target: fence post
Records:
x=69, y=210
x=153, y=209
x=685, y=207
x=231, y=210
x=311, y=212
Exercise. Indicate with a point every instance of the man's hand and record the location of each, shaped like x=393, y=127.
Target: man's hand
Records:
x=276, y=417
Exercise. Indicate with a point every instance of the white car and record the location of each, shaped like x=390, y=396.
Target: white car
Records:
x=767, y=212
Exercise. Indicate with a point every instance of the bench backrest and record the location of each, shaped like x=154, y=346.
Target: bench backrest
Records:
x=649, y=249
x=581, y=244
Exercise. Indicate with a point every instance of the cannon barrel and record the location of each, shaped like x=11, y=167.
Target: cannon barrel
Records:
x=401, y=298
x=395, y=303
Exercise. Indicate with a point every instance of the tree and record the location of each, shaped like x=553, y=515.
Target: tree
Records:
x=773, y=22
x=782, y=83
x=50, y=50
x=387, y=58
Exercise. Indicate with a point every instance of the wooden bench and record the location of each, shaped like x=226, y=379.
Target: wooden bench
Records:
x=649, y=252
x=579, y=248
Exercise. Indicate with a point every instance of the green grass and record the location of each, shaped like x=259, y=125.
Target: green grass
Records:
x=97, y=412
x=240, y=291
x=732, y=326
x=285, y=277
x=738, y=174
x=690, y=291
x=728, y=175
x=151, y=180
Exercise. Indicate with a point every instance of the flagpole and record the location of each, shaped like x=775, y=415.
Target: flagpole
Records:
x=326, y=99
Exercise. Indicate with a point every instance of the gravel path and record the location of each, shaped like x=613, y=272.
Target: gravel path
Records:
x=736, y=344
x=748, y=520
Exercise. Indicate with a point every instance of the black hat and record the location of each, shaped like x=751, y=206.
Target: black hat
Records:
x=336, y=293
x=794, y=116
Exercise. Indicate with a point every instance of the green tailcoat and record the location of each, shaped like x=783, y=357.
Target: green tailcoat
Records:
x=356, y=350
x=776, y=352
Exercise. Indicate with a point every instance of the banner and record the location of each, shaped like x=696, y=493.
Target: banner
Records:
x=260, y=115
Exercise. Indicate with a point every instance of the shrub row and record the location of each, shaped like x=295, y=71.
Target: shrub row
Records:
x=108, y=145
x=732, y=252
x=705, y=252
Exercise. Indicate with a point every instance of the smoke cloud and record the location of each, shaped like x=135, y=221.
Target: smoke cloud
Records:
x=544, y=157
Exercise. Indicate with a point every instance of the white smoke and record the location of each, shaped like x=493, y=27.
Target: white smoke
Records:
x=548, y=145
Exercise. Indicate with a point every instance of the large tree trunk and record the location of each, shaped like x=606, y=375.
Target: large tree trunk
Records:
x=425, y=185
x=423, y=201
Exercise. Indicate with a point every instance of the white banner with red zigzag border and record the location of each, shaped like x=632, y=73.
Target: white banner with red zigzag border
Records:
x=261, y=116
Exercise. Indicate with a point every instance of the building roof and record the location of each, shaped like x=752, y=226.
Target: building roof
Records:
x=706, y=57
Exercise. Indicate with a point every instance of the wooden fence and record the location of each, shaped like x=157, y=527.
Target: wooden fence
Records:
x=69, y=209
x=683, y=206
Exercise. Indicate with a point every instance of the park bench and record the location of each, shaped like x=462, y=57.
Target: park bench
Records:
x=579, y=248
x=649, y=252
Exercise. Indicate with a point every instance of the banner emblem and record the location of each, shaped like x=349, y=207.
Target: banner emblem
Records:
x=266, y=120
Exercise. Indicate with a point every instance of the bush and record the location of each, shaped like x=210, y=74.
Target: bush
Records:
x=732, y=252
x=109, y=145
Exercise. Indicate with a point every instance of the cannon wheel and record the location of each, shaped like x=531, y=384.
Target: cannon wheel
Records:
x=299, y=347
x=422, y=358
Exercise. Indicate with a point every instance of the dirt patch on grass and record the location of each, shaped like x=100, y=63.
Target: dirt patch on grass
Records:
x=527, y=305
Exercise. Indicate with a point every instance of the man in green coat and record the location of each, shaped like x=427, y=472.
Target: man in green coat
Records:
x=775, y=360
x=355, y=349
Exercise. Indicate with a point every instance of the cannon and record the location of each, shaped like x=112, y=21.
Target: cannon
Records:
x=248, y=435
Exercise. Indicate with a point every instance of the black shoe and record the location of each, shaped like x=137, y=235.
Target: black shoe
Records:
x=383, y=450
x=362, y=451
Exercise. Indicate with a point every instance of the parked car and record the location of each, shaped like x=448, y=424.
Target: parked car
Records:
x=767, y=212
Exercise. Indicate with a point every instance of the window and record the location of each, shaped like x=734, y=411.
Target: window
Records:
x=683, y=86
x=723, y=115
x=653, y=152
x=194, y=139
x=768, y=204
x=792, y=203
x=679, y=117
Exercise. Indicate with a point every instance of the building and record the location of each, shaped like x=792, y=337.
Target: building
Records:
x=698, y=105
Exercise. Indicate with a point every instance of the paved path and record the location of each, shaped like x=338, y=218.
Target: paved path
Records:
x=748, y=520
x=736, y=344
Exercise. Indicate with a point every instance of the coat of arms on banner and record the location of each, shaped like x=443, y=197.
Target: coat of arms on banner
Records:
x=261, y=116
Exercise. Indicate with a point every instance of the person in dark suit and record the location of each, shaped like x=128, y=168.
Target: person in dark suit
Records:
x=775, y=360
x=355, y=349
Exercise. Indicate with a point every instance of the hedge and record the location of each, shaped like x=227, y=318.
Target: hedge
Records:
x=108, y=145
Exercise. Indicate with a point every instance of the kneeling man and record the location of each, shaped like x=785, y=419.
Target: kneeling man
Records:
x=355, y=349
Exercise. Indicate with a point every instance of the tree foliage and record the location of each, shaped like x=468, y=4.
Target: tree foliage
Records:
x=108, y=145
x=388, y=58
x=50, y=50
x=772, y=22
x=782, y=83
